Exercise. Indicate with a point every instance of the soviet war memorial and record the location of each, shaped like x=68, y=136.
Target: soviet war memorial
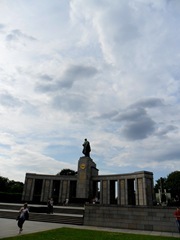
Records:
x=123, y=198
x=121, y=201
x=88, y=186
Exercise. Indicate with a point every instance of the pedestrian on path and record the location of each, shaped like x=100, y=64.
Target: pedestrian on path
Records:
x=23, y=216
x=177, y=216
x=50, y=205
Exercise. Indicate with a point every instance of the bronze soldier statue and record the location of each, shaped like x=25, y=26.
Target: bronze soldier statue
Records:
x=87, y=148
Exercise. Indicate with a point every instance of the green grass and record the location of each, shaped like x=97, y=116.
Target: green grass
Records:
x=81, y=234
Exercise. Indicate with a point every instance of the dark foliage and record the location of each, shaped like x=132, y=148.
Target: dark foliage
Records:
x=10, y=186
x=67, y=172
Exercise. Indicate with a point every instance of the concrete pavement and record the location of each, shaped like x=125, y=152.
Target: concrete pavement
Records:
x=8, y=228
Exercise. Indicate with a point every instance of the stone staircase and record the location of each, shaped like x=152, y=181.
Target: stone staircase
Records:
x=62, y=214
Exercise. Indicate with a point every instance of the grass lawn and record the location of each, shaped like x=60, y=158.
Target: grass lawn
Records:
x=79, y=234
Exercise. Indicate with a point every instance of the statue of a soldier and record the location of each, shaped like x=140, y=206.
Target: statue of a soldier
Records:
x=86, y=148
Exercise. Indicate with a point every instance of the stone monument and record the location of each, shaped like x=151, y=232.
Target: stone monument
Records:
x=86, y=148
x=134, y=188
x=86, y=170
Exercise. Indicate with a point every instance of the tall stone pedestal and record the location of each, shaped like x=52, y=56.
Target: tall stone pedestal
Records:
x=86, y=170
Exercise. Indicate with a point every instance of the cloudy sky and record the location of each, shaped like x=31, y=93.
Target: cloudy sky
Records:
x=104, y=70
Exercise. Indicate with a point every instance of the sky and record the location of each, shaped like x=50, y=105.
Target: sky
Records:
x=104, y=70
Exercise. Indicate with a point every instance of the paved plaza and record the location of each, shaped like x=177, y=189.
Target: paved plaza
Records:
x=8, y=228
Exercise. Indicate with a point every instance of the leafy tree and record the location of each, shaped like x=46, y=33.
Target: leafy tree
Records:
x=160, y=184
x=10, y=186
x=3, y=184
x=173, y=184
x=15, y=187
x=67, y=172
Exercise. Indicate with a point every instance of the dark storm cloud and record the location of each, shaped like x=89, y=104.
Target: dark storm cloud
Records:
x=134, y=121
x=16, y=35
x=140, y=129
x=134, y=111
x=149, y=103
x=70, y=76
x=137, y=123
x=131, y=115
x=170, y=152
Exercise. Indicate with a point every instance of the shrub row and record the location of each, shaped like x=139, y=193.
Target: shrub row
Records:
x=10, y=197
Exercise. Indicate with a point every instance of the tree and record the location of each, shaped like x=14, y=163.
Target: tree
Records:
x=10, y=186
x=3, y=184
x=160, y=184
x=15, y=187
x=67, y=172
x=173, y=184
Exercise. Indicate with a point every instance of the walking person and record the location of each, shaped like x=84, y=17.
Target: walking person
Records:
x=51, y=205
x=48, y=206
x=23, y=216
x=177, y=216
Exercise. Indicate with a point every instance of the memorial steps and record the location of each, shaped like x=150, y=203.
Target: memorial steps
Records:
x=62, y=214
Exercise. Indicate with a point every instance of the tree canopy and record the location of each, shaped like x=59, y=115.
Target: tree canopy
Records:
x=67, y=172
x=171, y=184
x=10, y=186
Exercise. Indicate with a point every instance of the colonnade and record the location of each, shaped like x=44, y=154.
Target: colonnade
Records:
x=39, y=188
x=123, y=189
x=130, y=189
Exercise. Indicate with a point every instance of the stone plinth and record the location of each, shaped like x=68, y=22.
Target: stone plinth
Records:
x=86, y=169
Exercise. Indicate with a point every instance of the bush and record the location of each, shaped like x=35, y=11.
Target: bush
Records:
x=11, y=197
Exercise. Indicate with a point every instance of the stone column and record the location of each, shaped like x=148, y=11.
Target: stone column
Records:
x=140, y=191
x=67, y=189
x=126, y=192
x=105, y=191
x=86, y=169
x=32, y=189
x=122, y=192
x=101, y=193
x=28, y=189
x=149, y=191
x=60, y=192
x=144, y=191
x=46, y=190
x=64, y=190
x=137, y=191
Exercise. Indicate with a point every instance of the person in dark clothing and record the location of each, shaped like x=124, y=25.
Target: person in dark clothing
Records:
x=23, y=216
x=50, y=206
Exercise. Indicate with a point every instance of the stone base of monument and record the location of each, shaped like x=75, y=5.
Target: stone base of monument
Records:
x=86, y=169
